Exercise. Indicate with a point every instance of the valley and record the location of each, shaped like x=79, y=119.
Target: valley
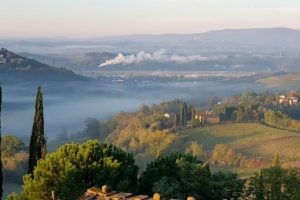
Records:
x=230, y=110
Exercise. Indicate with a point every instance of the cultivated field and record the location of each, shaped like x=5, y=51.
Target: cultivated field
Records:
x=291, y=81
x=251, y=139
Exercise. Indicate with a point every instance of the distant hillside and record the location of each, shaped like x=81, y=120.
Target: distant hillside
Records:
x=260, y=37
x=237, y=40
x=264, y=40
x=291, y=80
x=246, y=62
x=77, y=62
x=251, y=50
x=15, y=67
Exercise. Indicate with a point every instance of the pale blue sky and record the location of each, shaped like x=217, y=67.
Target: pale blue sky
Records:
x=85, y=18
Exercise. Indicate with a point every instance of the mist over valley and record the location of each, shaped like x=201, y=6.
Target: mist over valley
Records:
x=213, y=108
x=121, y=77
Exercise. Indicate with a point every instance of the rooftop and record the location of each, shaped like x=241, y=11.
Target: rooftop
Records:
x=105, y=193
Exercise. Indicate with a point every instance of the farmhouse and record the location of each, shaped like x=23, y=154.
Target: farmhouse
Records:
x=291, y=99
x=105, y=193
x=207, y=117
x=213, y=119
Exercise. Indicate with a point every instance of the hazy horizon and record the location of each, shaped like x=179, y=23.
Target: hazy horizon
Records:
x=135, y=34
x=102, y=18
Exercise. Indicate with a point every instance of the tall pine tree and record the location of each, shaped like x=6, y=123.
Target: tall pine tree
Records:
x=1, y=175
x=37, y=148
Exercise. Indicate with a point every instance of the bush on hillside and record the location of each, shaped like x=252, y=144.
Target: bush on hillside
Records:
x=223, y=156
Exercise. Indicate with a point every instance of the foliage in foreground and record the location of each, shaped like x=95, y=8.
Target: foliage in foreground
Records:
x=73, y=168
x=275, y=183
x=182, y=175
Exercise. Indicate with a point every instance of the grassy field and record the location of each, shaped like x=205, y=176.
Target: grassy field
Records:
x=291, y=80
x=251, y=139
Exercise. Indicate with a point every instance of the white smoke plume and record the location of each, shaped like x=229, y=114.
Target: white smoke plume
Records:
x=159, y=56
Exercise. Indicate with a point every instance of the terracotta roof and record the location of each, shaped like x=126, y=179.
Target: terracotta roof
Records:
x=104, y=193
x=96, y=193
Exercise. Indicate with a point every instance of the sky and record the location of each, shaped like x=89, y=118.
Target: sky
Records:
x=96, y=18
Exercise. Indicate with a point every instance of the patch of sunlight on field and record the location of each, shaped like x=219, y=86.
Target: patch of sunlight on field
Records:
x=287, y=147
x=284, y=80
x=251, y=139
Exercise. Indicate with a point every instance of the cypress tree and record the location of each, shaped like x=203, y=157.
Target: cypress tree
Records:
x=175, y=120
x=184, y=114
x=1, y=175
x=181, y=114
x=37, y=147
x=193, y=116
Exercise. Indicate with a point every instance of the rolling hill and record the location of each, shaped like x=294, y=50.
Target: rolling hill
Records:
x=251, y=139
x=15, y=67
x=291, y=81
x=264, y=40
x=77, y=62
x=251, y=50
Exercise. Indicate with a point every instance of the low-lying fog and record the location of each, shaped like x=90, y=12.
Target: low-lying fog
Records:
x=68, y=105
